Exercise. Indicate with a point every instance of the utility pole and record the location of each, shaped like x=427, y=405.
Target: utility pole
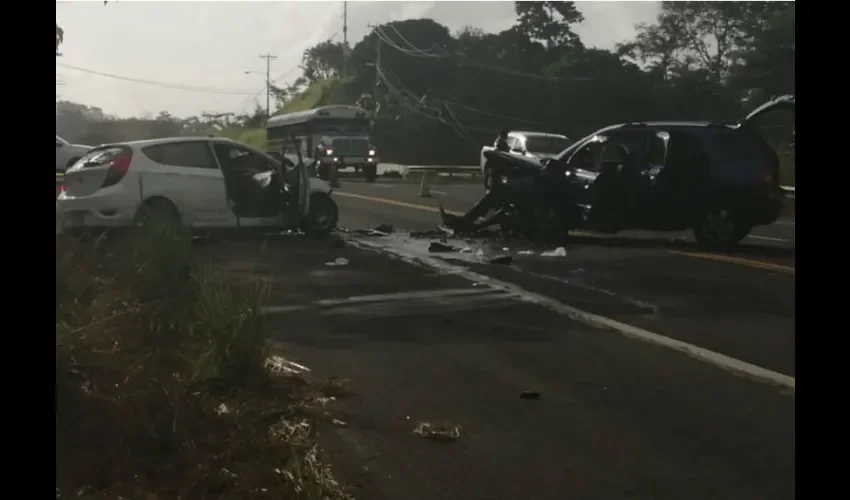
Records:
x=268, y=58
x=344, y=39
x=345, y=23
x=377, y=62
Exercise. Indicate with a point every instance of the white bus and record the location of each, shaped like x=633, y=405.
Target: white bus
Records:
x=336, y=136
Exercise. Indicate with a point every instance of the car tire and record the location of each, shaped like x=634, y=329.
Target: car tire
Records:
x=322, y=216
x=720, y=229
x=157, y=209
x=370, y=173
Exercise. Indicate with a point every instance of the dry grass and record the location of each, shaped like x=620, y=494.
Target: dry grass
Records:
x=162, y=386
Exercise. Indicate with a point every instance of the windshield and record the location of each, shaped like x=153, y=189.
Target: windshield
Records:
x=546, y=144
x=342, y=128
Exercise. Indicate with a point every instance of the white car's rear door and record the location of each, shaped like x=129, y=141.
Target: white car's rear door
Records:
x=189, y=175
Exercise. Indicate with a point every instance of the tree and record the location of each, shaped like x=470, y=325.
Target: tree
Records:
x=549, y=22
x=323, y=61
x=693, y=36
x=767, y=59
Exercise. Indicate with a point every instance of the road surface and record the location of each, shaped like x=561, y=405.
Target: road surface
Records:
x=663, y=372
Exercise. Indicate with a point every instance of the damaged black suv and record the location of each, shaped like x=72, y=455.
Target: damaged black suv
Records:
x=718, y=179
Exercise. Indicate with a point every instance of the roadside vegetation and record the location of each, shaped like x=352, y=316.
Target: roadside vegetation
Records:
x=164, y=386
x=437, y=96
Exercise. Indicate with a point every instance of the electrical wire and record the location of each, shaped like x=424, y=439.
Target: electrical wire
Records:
x=190, y=88
x=412, y=47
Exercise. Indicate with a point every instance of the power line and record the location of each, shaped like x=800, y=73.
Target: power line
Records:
x=174, y=86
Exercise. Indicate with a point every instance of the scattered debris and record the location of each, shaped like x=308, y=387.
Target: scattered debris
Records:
x=427, y=234
x=465, y=250
x=336, y=387
x=280, y=365
x=339, y=423
x=437, y=246
x=558, y=252
x=530, y=395
x=577, y=272
x=339, y=261
x=526, y=252
x=384, y=228
x=366, y=232
x=440, y=432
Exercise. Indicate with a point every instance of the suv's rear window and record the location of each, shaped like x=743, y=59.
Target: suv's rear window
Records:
x=739, y=155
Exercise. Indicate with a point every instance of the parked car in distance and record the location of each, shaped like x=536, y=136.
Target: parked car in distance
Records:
x=202, y=182
x=538, y=147
x=67, y=154
x=717, y=179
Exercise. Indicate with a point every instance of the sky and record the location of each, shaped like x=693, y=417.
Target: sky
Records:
x=211, y=45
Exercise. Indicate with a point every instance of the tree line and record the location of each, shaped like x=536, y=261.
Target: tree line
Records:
x=435, y=94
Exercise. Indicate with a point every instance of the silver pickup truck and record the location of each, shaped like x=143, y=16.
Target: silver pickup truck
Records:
x=539, y=146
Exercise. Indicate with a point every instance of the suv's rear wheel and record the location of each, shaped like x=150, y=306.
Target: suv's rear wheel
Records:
x=719, y=229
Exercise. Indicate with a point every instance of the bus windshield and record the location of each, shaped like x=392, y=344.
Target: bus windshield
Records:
x=341, y=128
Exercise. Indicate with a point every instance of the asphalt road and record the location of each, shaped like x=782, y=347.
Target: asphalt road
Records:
x=663, y=372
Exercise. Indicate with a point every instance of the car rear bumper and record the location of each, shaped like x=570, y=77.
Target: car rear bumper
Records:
x=105, y=210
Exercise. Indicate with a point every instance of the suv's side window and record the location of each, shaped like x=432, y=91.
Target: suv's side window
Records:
x=626, y=147
x=182, y=154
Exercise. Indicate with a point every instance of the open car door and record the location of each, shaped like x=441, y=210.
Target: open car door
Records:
x=300, y=181
x=784, y=102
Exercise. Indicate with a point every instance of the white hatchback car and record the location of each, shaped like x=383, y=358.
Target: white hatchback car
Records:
x=204, y=182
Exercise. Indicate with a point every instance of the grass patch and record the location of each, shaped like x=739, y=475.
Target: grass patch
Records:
x=163, y=385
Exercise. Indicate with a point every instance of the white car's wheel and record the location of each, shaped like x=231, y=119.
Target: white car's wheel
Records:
x=322, y=216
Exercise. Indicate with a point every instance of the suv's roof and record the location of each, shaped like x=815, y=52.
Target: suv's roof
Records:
x=666, y=124
x=537, y=134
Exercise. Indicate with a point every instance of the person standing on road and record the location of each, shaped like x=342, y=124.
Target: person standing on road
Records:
x=502, y=142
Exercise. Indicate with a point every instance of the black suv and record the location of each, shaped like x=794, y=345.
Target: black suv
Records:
x=718, y=179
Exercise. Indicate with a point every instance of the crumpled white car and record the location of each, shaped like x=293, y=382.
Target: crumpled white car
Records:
x=202, y=182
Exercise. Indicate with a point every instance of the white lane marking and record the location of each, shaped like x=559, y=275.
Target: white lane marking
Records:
x=439, y=192
x=720, y=360
x=766, y=238
x=440, y=296
x=387, y=297
x=624, y=298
